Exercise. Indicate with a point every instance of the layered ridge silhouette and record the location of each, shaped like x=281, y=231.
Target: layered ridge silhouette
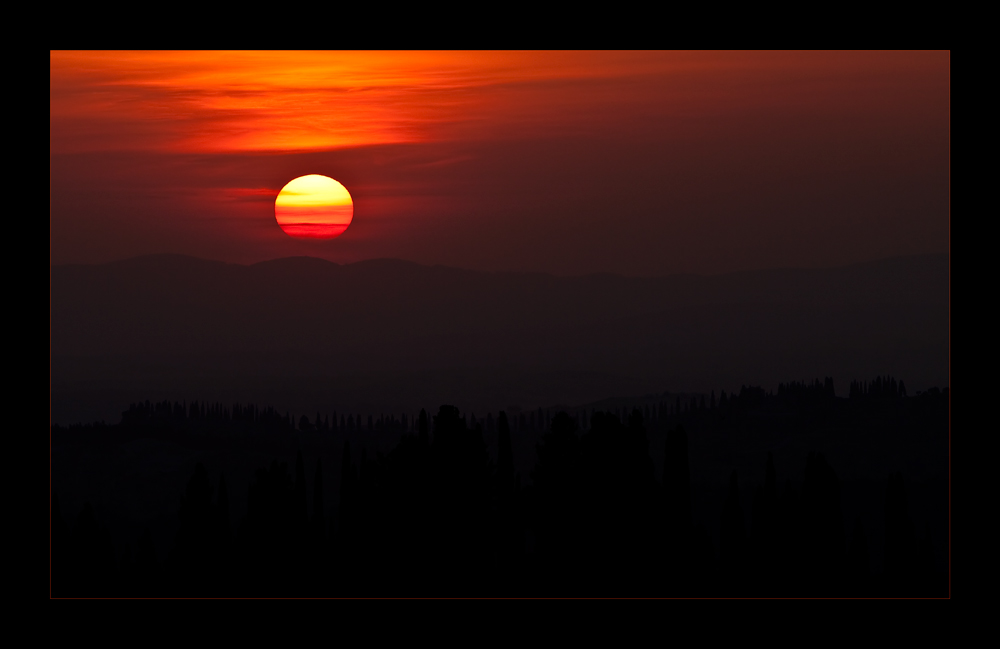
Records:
x=165, y=326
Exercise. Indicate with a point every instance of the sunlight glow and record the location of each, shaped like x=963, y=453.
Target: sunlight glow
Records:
x=314, y=207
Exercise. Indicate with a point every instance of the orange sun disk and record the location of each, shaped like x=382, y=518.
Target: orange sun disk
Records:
x=314, y=207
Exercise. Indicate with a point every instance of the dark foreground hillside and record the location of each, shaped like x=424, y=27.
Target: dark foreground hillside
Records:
x=791, y=493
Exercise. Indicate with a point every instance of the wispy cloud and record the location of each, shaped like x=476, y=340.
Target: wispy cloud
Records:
x=301, y=101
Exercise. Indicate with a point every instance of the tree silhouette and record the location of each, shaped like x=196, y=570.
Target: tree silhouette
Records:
x=765, y=534
x=433, y=516
x=858, y=562
x=899, y=539
x=732, y=542
x=822, y=526
x=195, y=558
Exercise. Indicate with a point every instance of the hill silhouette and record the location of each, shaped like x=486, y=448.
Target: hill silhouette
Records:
x=300, y=332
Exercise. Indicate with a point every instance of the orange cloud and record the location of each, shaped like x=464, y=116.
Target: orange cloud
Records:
x=259, y=101
x=210, y=102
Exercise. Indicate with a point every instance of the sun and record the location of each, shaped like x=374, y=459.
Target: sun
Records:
x=314, y=207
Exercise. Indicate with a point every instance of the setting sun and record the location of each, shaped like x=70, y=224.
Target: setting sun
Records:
x=314, y=207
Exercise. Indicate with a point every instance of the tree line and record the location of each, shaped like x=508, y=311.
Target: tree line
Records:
x=438, y=516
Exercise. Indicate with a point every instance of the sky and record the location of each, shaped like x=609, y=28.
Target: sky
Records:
x=571, y=163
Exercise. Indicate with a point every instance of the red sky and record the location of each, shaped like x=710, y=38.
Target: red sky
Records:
x=640, y=163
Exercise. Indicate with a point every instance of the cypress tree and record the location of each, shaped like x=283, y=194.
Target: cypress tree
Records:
x=505, y=456
x=348, y=480
x=423, y=428
x=194, y=554
x=926, y=582
x=146, y=573
x=223, y=549
x=858, y=563
x=732, y=539
x=61, y=579
x=319, y=514
x=823, y=526
x=677, y=479
x=225, y=527
x=899, y=545
x=93, y=557
x=300, y=487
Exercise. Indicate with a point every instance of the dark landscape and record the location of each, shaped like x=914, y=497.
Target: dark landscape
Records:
x=528, y=481
x=392, y=336
x=500, y=324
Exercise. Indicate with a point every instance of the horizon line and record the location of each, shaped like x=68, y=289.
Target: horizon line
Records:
x=501, y=272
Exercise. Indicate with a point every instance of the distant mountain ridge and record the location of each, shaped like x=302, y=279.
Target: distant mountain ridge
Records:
x=170, y=320
x=933, y=263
